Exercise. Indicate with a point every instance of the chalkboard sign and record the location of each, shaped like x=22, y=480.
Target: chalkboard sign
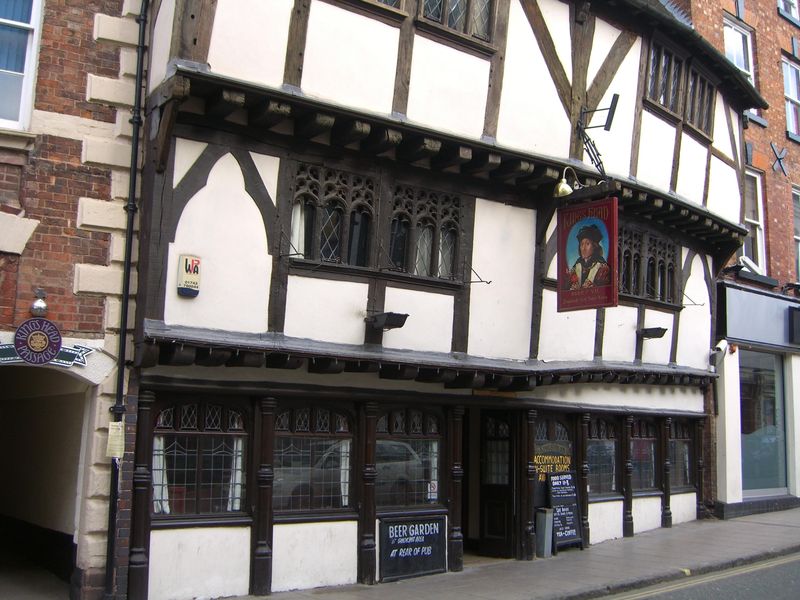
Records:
x=562, y=495
x=412, y=546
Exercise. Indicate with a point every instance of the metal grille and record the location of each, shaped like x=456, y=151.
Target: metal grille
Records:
x=311, y=473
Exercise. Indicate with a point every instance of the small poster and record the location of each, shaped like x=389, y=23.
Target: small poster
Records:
x=587, y=255
x=188, y=276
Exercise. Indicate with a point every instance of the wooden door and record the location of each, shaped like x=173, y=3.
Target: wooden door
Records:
x=497, y=485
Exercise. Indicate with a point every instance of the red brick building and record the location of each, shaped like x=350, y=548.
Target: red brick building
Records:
x=67, y=81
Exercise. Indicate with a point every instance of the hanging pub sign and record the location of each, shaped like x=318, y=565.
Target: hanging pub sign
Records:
x=188, y=276
x=587, y=255
x=37, y=341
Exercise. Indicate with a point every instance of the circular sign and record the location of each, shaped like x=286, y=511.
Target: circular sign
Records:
x=37, y=341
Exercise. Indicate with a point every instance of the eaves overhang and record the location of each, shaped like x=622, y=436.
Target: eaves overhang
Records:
x=530, y=176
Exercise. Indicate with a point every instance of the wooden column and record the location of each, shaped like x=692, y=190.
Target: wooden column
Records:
x=666, y=484
x=583, y=481
x=531, y=474
x=139, y=565
x=627, y=484
x=702, y=513
x=366, y=550
x=455, y=548
x=261, y=579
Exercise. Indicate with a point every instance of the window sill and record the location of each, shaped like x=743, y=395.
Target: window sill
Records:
x=324, y=270
x=793, y=136
x=754, y=118
x=190, y=521
x=315, y=516
x=373, y=7
x=661, y=111
x=12, y=139
x=474, y=44
x=788, y=17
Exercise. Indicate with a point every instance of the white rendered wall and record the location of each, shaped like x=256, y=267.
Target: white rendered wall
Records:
x=653, y=397
x=429, y=326
x=692, y=169
x=556, y=16
x=325, y=310
x=619, y=333
x=503, y=253
x=350, y=59
x=223, y=226
x=724, y=197
x=605, y=521
x=729, y=429
x=616, y=144
x=249, y=39
x=791, y=388
x=452, y=98
x=204, y=562
x=694, y=329
x=40, y=445
x=656, y=147
x=646, y=514
x=267, y=167
x=565, y=335
x=657, y=350
x=683, y=507
x=722, y=133
x=307, y=555
x=160, y=44
x=528, y=93
x=186, y=154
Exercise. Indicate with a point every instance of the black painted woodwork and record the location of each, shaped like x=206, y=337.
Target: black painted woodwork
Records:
x=261, y=570
x=455, y=539
x=139, y=562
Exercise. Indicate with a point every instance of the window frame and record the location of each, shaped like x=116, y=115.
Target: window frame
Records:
x=796, y=209
x=605, y=429
x=645, y=429
x=792, y=14
x=638, y=247
x=730, y=23
x=759, y=263
x=680, y=430
x=791, y=103
x=30, y=69
x=175, y=427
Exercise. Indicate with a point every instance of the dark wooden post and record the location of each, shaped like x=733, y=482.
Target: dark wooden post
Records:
x=583, y=460
x=702, y=513
x=139, y=565
x=261, y=580
x=666, y=484
x=455, y=549
x=366, y=550
x=530, y=486
x=627, y=486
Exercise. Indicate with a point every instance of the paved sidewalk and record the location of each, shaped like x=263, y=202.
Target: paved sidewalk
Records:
x=610, y=567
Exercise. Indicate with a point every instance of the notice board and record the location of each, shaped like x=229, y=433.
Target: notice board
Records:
x=562, y=496
x=412, y=546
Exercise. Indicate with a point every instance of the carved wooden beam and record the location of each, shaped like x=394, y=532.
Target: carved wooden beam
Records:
x=380, y=140
x=398, y=372
x=512, y=169
x=246, y=359
x=281, y=360
x=176, y=355
x=482, y=163
x=362, y=366
x=498, y=381
x=212, y=357
x=418, y=148
x=312, y=124
x=223, y=103
x=436, y=375
x=451, y=156
x=349, y=131
x=467, y=379
x=268, y=113
x=541, y=175
x=325, y=365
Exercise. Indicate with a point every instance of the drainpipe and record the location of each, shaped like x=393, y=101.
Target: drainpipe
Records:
x=118, y=409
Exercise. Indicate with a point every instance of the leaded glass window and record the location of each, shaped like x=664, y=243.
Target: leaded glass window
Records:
x=470, y=17
x=643, y=454
x=649, y=264
x=680, y=454
x=601, y=454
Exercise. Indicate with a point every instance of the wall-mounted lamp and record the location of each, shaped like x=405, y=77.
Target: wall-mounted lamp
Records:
x=563, y=188
x=39, y=306
x=387, y=320
x=649, y=333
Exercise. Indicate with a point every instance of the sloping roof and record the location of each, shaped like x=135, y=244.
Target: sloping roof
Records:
x=656, y=15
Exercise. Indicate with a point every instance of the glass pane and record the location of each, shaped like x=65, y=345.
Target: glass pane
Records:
x=422, y=264
x=481, y=17
x=751, y=198
x=407, y=472
x=13, y=47
x=359, y=238
x=175, y=474
x=398, y=242
x=796, y=205
x=496, y=462
x=311, y=473
x=330, y=236
x=680, y=466
x=221, y=474
x=601, y=455
x=643, y=458
x=433, y=10
x=16, y=10
x=458, y=14
x=447, y=253
x=394, y=3
x=763, y=421
x=677, y=71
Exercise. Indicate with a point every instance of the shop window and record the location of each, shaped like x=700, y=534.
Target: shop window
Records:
x=677, y=86
x=199, y=460
x=470, y=17
x=312, y=460
x=601, y=454
x=643, y=454
x=753, y=251
x=763, y=423
x=649, y=265
x=407, y=458
x=680, y=454
x=19, y=33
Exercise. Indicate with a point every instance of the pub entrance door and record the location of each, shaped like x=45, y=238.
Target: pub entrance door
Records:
x=497, y=484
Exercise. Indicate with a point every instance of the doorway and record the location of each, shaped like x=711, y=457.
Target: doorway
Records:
x=497, y=484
